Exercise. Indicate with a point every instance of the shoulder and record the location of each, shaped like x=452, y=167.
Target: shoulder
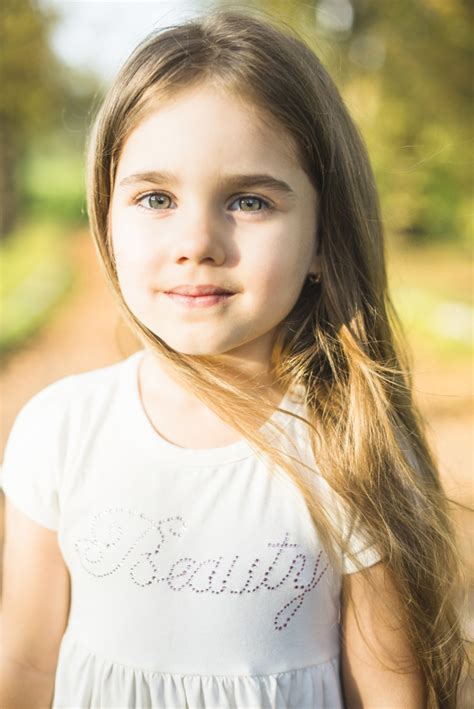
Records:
x=50, y=432
x=75, y=397
x=42, y=408
x=71, y=390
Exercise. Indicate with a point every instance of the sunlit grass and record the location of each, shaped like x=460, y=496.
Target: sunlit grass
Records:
x=432, y=288
x=36, y=270
x=36, y=273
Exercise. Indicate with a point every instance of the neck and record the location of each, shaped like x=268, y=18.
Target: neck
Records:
x=160, y=380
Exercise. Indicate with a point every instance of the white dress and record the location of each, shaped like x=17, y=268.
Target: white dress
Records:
x=197, y=578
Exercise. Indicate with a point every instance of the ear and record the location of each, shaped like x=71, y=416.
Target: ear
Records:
x=315, y=267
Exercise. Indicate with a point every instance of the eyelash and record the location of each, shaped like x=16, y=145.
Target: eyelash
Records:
x=267, y=206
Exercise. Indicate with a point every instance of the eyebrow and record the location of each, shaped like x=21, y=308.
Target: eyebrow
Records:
x=228, y=181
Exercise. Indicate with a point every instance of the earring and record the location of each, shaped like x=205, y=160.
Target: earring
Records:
x=314, y=277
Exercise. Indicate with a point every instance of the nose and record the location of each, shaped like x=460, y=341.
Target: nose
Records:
x=200, y=237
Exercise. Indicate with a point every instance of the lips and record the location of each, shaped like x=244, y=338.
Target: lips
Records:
x=196, y=298
x=199, y=291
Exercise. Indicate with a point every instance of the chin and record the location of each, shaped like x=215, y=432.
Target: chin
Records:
x=204, y=349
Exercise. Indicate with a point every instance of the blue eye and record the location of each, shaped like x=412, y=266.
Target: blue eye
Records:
x=156, y=201
x=250, y=203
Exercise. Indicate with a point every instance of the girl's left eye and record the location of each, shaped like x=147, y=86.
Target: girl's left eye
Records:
x=250, y=203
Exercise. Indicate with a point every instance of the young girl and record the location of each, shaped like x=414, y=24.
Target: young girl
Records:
x=244, y=513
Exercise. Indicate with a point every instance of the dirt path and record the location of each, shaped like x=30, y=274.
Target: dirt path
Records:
x=85, y=333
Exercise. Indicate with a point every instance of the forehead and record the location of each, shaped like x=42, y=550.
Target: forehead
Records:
x=211, y=126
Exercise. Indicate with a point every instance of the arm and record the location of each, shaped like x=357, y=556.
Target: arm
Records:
x=371, y=652
x=34, y=613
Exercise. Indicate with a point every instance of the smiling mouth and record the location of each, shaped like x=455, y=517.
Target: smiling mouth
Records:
x=199, y=301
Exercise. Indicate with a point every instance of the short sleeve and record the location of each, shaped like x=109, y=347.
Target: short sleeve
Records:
x=364, y=551
x=33, y=453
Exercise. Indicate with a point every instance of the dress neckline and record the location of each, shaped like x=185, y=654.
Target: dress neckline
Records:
x=151, y=437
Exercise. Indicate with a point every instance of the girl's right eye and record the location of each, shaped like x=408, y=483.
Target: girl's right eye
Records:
x=157, y=201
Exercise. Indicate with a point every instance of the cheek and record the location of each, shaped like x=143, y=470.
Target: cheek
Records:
x=281, y=272
x=133, y=249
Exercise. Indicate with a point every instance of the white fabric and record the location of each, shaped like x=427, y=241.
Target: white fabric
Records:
x=197, y=578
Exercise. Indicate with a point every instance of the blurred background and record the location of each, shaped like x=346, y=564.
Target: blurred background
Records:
x=405, y=71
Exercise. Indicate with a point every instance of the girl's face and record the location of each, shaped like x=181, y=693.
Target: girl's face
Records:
x=207, y=194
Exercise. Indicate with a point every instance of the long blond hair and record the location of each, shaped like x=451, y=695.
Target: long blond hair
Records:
x=342, y=341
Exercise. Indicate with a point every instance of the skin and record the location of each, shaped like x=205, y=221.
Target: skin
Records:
x=196, y=230
x=375, y=644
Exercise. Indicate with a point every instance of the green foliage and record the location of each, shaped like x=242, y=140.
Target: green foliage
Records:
x=28, y=67
x=40, y=97
x=52, y=180
x=418, y=124
x=36, y=274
